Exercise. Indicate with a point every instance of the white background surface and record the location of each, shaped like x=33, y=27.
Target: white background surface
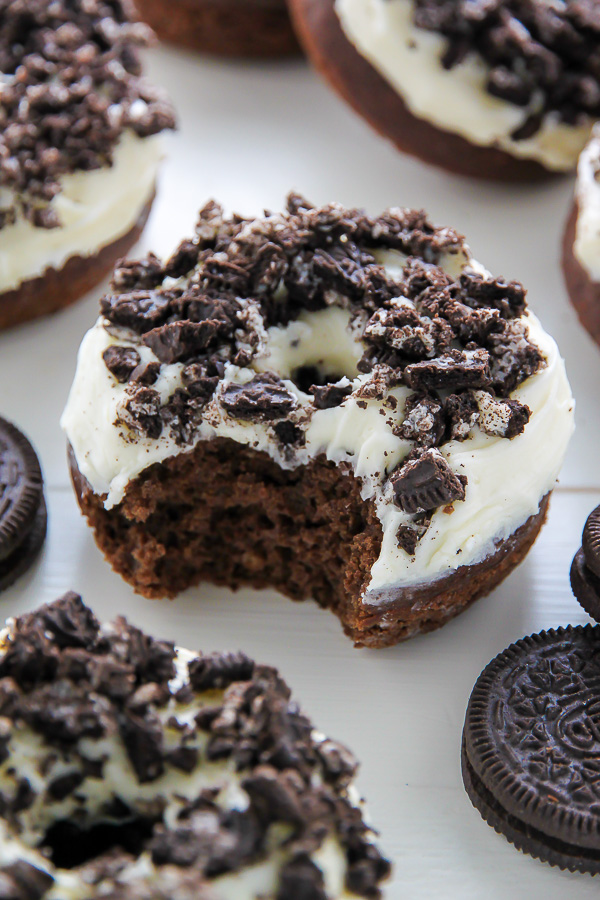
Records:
x=248, y=134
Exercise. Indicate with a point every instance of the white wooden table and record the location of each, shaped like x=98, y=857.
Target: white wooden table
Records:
x=250, y=133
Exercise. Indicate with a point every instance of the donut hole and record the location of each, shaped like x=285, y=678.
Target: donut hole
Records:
x=304, y=377
x=68, y=845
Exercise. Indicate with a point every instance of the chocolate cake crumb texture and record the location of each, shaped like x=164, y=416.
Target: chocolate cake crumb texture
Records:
x=457, y=342
x=543, y=57
x=70, y=85
x=530, y=746
x=74, y=683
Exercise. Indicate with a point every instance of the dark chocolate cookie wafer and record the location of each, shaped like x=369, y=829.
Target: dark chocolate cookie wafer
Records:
x=531, y=746
x=22, y=506
x=585, y=568
x=585, y=585
x=591, y=541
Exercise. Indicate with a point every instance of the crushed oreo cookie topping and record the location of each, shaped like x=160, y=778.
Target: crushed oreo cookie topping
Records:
x=70, y=84
x=264, y=397
x=457, y=342
x=85, y=691
x=426, y=481
x=543, y=57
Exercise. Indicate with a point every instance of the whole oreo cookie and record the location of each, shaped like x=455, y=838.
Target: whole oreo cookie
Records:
x=585, y=568
x=531, y=746
x=22, y=507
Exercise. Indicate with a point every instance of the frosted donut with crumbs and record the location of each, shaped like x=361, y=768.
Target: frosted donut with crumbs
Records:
x=341, y=406
x=130, y=768
x=79, y=149
x=507, y=89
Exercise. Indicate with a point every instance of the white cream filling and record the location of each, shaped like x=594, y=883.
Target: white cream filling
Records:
x=587, y=193
x=455, y=100
x=506, y=478
x=258, y=881
x=94, y=208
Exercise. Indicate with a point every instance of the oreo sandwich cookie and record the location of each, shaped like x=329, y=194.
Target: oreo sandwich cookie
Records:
x=22, y=506
x=531, y=746
x=585, y=568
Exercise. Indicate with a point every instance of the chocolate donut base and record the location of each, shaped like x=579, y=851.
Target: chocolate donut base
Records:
x=59, y=288
x=525, y=837
x=584, y=293
x=373, y=98
x=228, y=514
x=242, y=28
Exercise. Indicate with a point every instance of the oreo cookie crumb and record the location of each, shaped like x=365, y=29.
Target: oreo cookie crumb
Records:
x=426, y=481
x=263, y=398
x=424, y=421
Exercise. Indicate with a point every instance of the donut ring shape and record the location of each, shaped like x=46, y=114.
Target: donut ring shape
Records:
x=131, y=769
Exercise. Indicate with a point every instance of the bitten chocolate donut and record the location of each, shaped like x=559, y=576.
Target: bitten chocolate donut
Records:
x=79, y=150
x=131, y=769
x=506, y=90
x=245, y=28
x=341, y=406
x=581, y=245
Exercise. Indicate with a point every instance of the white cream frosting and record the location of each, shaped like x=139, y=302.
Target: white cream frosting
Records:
x=587, y=193
x=94, y=208
x=506, y=478
x=455, y=100
x=26, y=748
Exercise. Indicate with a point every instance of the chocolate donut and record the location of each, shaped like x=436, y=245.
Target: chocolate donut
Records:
x=79, y=149
x=23, y=516
x=239, y=28
x=134, y=770
x=344, y=407
x=505, y=90
x=581, y=244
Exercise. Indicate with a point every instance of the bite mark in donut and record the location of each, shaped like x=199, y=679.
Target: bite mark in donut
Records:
x=342, y=406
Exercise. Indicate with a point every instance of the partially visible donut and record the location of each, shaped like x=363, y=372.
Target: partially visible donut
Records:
x=234, y=28
x=131, y=770
x=79, y=149
x=476, y=88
